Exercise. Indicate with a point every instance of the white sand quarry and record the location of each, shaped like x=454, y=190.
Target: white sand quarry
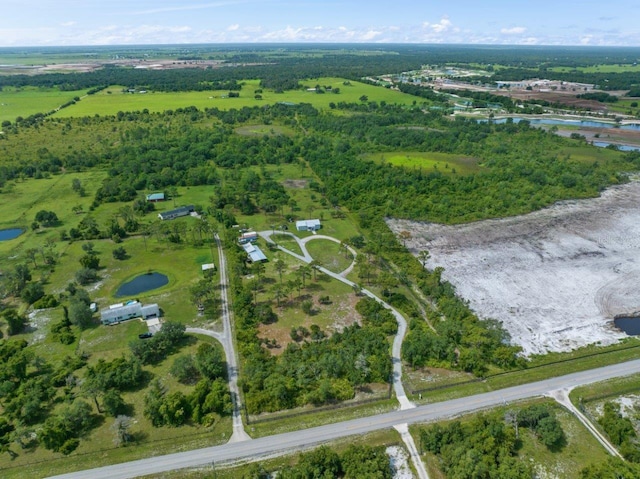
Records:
x=555, y=277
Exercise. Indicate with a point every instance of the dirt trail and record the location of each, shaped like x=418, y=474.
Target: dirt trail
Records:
x=555, y=277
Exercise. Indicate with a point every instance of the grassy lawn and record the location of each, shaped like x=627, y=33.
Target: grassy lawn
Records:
x=112, y=100
x=606, y=390
x=447, y=163
x=589, y=154
x=287, y=242
x=27, y=101
x=313, y=419
x=330, y=254
x=540, y=367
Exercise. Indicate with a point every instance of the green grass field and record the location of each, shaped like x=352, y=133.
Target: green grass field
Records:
x=329, y=254
x=590, y=154
x=446, y=163
x=111, y=100
x=29, y=101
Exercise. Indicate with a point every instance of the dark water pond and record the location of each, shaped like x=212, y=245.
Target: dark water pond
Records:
x=631, y=326
x=10, y=233
x=141, y=284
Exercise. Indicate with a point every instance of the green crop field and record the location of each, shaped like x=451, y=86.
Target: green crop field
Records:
x=428, y=161
x=112, y=100
x=29, y=101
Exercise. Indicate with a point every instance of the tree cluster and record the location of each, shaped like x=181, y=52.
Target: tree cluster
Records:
x=160, y=345
x=620, y=430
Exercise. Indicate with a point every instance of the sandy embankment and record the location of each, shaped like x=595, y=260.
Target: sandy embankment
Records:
x=555, y=277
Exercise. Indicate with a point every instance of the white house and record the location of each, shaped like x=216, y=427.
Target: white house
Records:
x=308, y=225
x=117, y=313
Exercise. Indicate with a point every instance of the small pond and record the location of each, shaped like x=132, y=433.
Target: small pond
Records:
x=631, y=326
x=11, y=233
x=604, y=144
x=141, y=284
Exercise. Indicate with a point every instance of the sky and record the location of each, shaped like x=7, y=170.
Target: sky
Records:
x=121, y=22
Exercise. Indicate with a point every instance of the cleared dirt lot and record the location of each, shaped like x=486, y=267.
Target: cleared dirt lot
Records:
x=556, y=277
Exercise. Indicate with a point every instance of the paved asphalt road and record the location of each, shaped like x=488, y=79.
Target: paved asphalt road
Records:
x=309, y=437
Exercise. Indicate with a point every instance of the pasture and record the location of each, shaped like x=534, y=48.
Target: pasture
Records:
x=445, y=163
x=112, y=100
x=15, y=102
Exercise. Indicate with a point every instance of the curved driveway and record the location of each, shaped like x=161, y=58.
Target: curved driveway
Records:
x=398, y=387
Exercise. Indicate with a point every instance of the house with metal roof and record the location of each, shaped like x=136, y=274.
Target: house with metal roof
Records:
x=116, y=313
x=155, y=197
x=177, y=213
x=254, y=253
x=308, y=225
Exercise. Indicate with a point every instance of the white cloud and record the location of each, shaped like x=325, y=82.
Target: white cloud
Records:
x=442, y=26
x=182, y=8
x=233, y=28
x=513, y=31
x=586, y=40
x=370, y=35
x=68, y=24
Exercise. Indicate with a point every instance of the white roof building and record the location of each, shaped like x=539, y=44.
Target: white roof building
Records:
x=308, y=225
x=117, y=313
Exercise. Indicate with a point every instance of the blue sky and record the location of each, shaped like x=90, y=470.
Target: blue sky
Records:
x=110, y=22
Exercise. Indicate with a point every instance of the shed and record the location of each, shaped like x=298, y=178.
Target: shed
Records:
x=155, y=197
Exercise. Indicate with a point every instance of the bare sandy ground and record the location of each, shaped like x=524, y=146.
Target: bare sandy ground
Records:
x=555, y=277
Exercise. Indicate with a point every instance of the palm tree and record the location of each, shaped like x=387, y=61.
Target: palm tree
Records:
x=278, y=293
x=314, y=265
x=424, y=256
x=280, y=267
x=303, y=272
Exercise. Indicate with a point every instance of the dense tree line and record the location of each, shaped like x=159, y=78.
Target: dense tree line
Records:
x=599, y=96
x=487, y=445
x=621, y=431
